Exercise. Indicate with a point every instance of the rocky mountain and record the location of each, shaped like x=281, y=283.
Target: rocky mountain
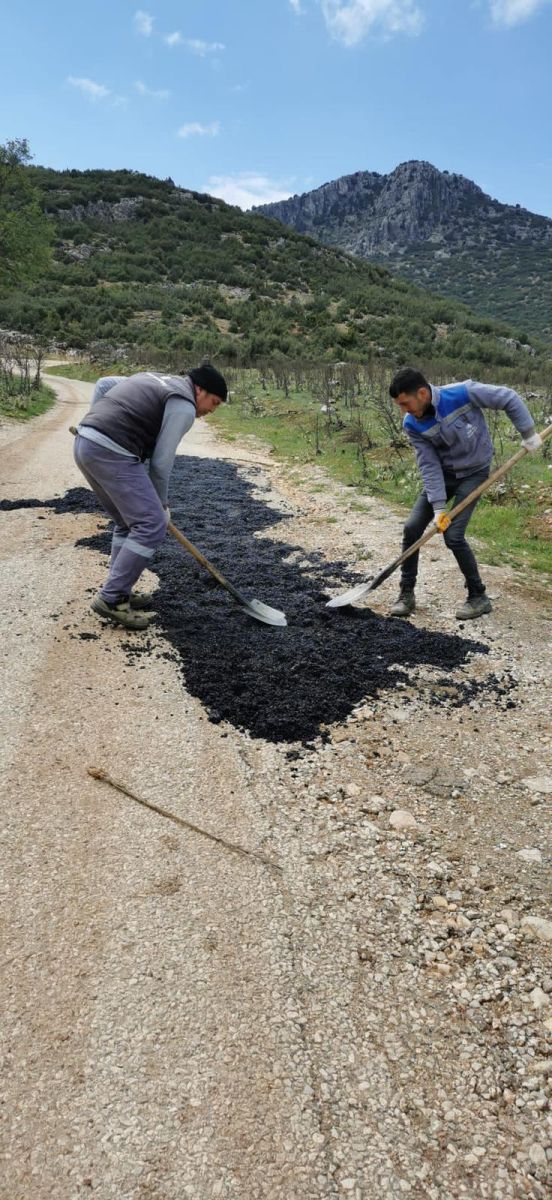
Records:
x=164, y=275
x=439, y=230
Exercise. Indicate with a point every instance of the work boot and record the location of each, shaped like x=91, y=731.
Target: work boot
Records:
x=475, y=606
x=139, y=600
x=406, y=603
x=120, y=613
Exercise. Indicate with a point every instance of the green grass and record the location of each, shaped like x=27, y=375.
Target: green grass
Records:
x=87, y=372
x=22, y=407
x=506, y=522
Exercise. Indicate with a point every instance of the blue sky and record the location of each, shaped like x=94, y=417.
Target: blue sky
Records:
x=254, y=100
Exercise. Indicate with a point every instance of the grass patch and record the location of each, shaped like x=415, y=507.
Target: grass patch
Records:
x=22, y=407
x=86, y=371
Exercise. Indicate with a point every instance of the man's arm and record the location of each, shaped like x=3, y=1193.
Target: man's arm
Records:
x=486, y=395
x=178, y=418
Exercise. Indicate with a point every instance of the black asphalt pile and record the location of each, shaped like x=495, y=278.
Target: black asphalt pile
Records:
x=284, y=685
x=76, y=500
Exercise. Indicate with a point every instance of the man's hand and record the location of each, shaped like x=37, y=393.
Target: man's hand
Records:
x=532, y=443
x=168, y=512
x=441, y=519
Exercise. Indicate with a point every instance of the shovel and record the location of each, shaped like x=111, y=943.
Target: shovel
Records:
x=254, y=608
x=362, y=589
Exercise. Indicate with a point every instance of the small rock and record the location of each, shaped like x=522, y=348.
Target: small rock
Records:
x=509, y=916
x=402, y=819
x=538, y=927
x=542, y=784
x=538, y=998
x=374, y=804
x=537, y=1154
x=530, y=855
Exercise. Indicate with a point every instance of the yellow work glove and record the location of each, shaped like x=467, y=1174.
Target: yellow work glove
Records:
x=441, y=519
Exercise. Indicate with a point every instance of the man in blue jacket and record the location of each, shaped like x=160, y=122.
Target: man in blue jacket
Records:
x=131, y=420
x=453, y=451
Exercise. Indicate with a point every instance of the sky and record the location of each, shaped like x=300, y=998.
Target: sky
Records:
x=256, y=100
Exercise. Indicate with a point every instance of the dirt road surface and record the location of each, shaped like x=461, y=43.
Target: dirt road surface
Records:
x=373, y=1021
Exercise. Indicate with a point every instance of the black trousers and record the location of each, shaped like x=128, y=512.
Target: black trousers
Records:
x=422, y=514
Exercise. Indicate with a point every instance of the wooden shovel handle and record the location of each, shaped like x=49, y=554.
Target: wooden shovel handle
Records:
x=204, y=562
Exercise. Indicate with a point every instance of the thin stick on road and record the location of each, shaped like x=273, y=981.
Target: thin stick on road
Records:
x=104, y=777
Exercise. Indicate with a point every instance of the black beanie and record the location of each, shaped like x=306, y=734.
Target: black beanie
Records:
x=210, y=379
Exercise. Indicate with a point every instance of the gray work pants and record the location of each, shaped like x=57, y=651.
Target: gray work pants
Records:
x=125, y=490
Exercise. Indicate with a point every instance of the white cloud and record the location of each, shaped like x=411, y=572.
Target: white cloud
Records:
x=512, y=12
x=196, y=45
x=96, y=91
x=296, y=6
x=194, y=129
x=161, y=94
x=203, y=48
x=246, y=189
x=143, y=23
x=349, y=21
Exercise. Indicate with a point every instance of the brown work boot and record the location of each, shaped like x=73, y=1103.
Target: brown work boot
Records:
x=120, y=613
x=406, y=603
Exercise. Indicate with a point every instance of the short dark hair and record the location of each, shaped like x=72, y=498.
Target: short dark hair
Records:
x=209, y=378
x=408, y=380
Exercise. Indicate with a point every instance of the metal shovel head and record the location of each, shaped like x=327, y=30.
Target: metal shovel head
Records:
x=351, y=596
x=263, y=612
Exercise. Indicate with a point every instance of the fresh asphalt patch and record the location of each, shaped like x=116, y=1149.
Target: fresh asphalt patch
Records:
x=280, y=684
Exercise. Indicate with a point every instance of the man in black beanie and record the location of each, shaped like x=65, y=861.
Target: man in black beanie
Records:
x=133, y=419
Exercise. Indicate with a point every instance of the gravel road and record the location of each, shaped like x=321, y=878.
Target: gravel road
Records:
x=372, y=1021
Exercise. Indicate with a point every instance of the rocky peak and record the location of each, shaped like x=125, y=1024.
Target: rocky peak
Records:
x=415, y=203
x=439, y=230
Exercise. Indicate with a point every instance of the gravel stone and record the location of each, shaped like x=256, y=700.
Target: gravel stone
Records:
x=537, y=927
x=401, y=819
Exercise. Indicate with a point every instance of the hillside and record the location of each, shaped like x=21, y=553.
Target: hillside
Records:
x=171, y=274
x=441, y=231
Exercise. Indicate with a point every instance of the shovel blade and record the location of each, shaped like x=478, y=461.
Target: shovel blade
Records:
x=350, y=597
x=263, y=612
